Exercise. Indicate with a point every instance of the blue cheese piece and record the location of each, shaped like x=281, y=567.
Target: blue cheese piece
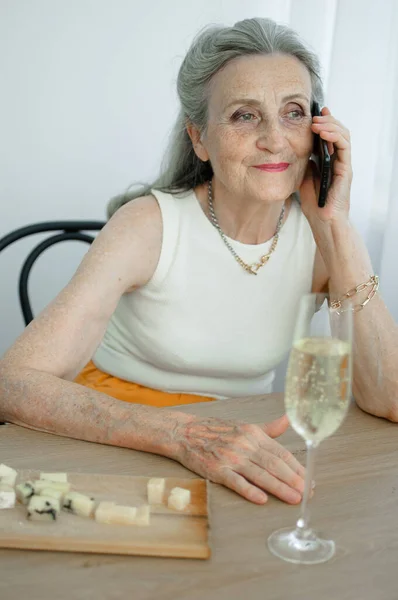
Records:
x=7, y=475
x=58, y=494
x=78, y=504
x=43, y=508
x=25, y=491
x=7, y=496
x=60, y=477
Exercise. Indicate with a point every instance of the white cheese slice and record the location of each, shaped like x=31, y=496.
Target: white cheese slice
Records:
x=63, y=477
x=102, y=511
x=106, y=504
x=143, y=516
x=155, y=488
x=179, y=498
x=43, y=508
x=115, y=514
x=78, y=504
x=7, y=496
x=7, y=475
x=42, y=484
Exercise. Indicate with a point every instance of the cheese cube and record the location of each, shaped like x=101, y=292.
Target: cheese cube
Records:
x=155, y=489
x=25, y=491
x=115, y=514
x=7, y=496
x=42, y=484
x=106, y=504
x=78, y=504
x=58, y=494
x=43, y=508
x=143, y=515
x=179, y=498
x=54, y=477
x=7, y=475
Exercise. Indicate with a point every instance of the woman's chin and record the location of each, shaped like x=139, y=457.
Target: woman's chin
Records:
x=275, y=195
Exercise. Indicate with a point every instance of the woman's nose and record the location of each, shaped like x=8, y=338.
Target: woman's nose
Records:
x=271, y=138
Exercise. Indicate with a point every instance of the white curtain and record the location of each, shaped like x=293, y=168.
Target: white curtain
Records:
x=357, y=42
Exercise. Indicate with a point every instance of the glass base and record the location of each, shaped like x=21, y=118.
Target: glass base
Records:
x=298, y=547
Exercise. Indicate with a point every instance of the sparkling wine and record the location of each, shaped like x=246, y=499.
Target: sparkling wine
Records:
x=318, y=387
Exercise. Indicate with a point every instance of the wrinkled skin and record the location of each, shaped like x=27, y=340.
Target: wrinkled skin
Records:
x=243, y=457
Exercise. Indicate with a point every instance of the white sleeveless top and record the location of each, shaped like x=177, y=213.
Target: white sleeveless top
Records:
x=203, y=325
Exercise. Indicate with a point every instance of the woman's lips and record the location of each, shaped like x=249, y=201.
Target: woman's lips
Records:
x=273, y=167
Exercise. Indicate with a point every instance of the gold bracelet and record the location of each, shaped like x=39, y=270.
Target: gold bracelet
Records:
x=372, y=282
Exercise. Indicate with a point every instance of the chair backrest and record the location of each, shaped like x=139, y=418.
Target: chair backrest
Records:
x=68, y=230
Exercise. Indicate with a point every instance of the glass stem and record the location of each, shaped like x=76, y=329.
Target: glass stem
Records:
x=303, y=530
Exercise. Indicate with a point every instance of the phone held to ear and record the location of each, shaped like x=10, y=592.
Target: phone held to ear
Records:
x=322, y=159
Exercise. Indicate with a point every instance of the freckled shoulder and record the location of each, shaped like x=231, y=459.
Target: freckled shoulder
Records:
x=132, y=238
x=63, y=338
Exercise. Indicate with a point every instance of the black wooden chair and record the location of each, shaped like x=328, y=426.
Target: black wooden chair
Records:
x=69, y=230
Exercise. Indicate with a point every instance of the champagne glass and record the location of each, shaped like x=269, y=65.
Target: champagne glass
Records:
x=317, y=397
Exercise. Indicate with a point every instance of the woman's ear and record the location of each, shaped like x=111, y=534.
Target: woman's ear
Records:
x=197, y=142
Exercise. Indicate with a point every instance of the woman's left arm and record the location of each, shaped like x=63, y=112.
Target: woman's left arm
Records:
x=348, y=265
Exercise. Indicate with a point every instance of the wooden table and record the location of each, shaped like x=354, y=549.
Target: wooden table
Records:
x=356, y=503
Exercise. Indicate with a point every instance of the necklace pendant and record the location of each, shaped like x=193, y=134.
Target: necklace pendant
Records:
x=254, y=268
x=257, y=266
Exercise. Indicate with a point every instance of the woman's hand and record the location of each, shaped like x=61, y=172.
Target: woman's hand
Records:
x=242, y=457
x=338, y=198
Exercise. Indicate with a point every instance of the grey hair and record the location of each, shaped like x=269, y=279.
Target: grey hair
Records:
x=210, y=51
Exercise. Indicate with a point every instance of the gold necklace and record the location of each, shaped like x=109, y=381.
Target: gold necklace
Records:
x=253, y=269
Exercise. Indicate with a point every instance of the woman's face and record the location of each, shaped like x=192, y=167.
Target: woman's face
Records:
x=259, y=112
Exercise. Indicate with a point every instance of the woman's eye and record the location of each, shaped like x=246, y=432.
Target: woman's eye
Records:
x=245, y=117
x=295, y=114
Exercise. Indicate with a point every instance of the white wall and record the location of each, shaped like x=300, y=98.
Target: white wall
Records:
x=86, y=105
x=88, y=100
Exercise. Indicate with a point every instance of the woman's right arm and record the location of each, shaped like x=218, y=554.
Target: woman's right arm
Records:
x=36, y=375
x=36, y=390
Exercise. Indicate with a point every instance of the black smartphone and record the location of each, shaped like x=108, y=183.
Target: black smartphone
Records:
x=322, y=160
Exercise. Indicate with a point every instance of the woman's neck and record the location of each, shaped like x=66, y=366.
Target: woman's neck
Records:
x=242, y=220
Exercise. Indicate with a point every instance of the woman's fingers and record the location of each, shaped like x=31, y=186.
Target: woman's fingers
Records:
x=275, y=450
x=330, y=119
x=276, y=467
x=330, y=126
x=265, y=480
x=276, y=428
x=273, y=430
x=334, y=135
x=326, y=120
x=245, y=458
x=243, y=487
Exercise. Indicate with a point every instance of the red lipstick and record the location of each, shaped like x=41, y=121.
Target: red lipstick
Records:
x=273, y=167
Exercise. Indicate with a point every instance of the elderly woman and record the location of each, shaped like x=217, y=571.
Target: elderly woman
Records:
x=190, y=291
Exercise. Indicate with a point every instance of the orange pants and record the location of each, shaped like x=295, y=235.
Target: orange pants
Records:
x=132, y=392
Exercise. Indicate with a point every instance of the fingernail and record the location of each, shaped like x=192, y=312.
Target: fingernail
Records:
x=260, y=497
x=313, y=484
x=296, y=497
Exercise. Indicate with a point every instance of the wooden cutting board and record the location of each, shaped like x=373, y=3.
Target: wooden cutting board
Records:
x=182, y=534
